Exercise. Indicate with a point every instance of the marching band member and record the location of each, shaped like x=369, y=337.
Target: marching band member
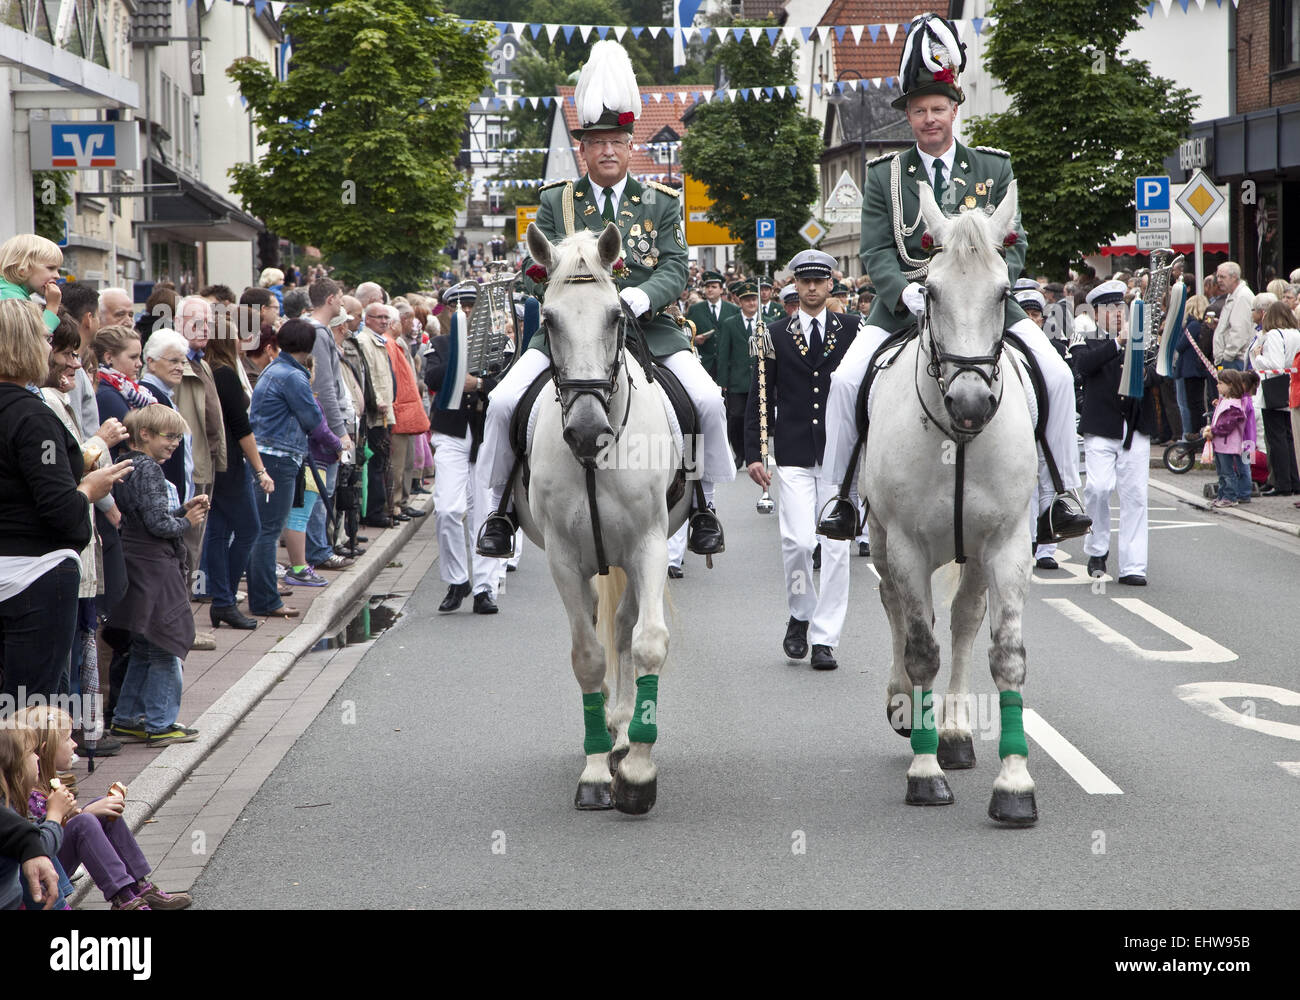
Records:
x=649, y=218
x=735, y=366
x=789, y=300
x=771, y=307
x=707, y=317
x=963, y=179
x=1116, y=439
x=808, y=346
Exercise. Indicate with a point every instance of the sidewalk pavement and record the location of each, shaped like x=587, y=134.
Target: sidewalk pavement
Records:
x=1277, y=513
x=225, y=684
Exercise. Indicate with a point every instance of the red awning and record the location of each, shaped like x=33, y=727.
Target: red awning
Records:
x=1130, y=250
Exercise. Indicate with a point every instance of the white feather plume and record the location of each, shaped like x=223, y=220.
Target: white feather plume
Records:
x=606, y=81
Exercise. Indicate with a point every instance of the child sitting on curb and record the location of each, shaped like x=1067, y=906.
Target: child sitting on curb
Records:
x=19, y=772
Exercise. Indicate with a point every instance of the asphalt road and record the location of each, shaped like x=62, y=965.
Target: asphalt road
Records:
x=780, y=786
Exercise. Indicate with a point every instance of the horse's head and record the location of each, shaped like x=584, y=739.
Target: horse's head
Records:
x=966, y=291
x=582, y=312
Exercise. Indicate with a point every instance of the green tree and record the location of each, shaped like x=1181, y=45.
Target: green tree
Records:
x=1083, y=123
x=362, y=136
x=758, y=158
x=51, y=194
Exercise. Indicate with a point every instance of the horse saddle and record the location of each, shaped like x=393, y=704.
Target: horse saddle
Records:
x=892, y=347
x=683, y=421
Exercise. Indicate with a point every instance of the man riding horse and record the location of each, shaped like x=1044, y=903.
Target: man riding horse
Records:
x=649, y=220
x=963, y=179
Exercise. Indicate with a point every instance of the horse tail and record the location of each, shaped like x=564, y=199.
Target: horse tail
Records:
x=944, y=583
x=609, y=593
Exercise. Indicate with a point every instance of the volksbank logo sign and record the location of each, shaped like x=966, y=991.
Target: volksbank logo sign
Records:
x=85, y=146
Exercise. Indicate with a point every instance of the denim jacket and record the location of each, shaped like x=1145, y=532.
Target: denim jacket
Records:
x=283, y=409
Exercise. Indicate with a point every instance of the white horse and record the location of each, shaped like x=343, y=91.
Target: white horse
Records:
x=952, y=388
x=606, y=422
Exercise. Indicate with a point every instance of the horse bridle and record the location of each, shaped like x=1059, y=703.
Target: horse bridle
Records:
x=569, y=390
x=963, y=363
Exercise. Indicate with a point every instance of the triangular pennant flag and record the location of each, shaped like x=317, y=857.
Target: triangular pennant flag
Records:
x=839, y=32
x=889, y=82
x=534, y=101
x=547, y=101
x=636, y=32
x=536, y=29
x=704, y=34
x=585, y=31
x=1184, y=3
x=1151, y=9
x=756, y=33
x=520, y=101
x=1166, y=4
x=277, y=9
x=516, y=27
x=960, y=24
x=780, y=91
x=602, y=31
x=619, y=31
x=977, y=23
x=654, y=30
x=772, y=35
x=1200, y=4
x=551, y=29
x=875, y=82
x=817, y=88
x=874, y=29
x=806, y=32
x=501, y=26
x=737, y=33
x=683, y=96
x=851, y=83
x=731, y=94
x=686, y=33
x=768, y=92
x=794, y=89
x=659, y=98
x=856, y=31
x=891, y=30
x=823, y=32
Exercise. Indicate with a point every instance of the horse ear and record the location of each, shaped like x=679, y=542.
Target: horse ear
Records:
x=936, y=223
x=609, y=245
x=1004, y=217
x=540, y=248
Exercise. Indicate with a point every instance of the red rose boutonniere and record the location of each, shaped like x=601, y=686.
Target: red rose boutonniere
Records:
x=1010, y=240
x=621, y=270
x=945, y=75
x=626, y=118
x=927, y=242
x=537, y=273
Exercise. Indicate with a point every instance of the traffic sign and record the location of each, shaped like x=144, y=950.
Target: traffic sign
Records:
x=1152, y=220
x=766, y=248
x=1153, y=239
x=1200, y=199
x=765, y=229
x=812, y=231
x=1152, y=194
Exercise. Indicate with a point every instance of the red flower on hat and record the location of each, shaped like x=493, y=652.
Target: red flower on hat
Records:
x=945, y=75
x=626, y=118
x=1010, y=239
x=537, y=273
x=927, y=241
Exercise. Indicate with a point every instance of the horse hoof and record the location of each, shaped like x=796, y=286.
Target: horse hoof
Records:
x=956, y=754
x=591, y=795
x=1013, y=808
x=635, y=800
x=929, y=791
x=903, y=729
x=616, y=758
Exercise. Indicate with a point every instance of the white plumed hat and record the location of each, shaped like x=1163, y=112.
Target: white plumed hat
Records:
x=607, y=97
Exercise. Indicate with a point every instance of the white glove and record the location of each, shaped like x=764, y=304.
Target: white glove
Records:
x=914, y=299
x=637, y=300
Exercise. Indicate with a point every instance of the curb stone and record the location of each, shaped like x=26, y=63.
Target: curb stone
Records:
x=1201, y=503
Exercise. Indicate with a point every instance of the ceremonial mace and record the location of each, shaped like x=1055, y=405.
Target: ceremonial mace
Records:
x=760, y=347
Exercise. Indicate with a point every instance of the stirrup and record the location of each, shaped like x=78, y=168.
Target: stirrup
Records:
x=496, y=518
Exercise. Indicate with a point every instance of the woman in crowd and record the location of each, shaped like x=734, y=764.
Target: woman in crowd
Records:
x=164, y=362
x=120, y=361
x=44, y=520
x=156, y=608
x=1190, y=372
x=234, y=521
x=1276, y=348
x=159, y=312
x=283, y=413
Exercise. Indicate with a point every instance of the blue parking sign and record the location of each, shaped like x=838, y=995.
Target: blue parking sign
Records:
x=765, y=228
x=1151, y=194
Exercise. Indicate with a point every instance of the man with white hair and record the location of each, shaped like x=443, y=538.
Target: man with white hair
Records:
x=332, y=395
x=115, y=307
x=1236, y=329
x=197, y=400
x=373, y=341
x=368, y=292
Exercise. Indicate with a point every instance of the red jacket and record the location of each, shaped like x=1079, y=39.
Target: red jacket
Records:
x=408, y=412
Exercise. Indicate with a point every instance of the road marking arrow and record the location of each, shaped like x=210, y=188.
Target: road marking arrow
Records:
x=1201, y=648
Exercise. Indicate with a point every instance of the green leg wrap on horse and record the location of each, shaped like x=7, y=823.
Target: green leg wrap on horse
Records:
x=1012, y=740
x=593, y=718
x=644, y=728
x=925, y=728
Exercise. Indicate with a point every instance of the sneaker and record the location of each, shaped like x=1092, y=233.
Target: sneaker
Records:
x=105, y=746
x=159, y=900
x=307, y=577
x=172, y=734
x=129, y=734
x=280, y=571
x=128, y=900
x=1221, y=503
x=336, y=562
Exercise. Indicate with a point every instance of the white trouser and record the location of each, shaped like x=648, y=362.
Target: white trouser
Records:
x=456, y=498
x=841, y=417
x=801, y=494
x=1109, y=467
x=677, y=547
x=715, y=461
x=859, y=503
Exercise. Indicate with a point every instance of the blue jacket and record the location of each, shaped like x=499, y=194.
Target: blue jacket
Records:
x=283, y=410
x=1187, y=364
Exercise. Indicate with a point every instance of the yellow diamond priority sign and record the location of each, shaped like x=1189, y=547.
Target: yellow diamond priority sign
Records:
x=1200, y=199
x=812, y=231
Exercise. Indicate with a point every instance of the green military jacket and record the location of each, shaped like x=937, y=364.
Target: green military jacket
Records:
x=735, y=366
x=702, y=316
x=980, y=176
x=773, y=311
x=650, y=217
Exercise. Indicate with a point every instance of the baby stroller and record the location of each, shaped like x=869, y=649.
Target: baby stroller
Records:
x=347, y=505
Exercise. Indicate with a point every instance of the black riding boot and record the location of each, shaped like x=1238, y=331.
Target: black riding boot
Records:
x=842, y=521
x=1062, y=520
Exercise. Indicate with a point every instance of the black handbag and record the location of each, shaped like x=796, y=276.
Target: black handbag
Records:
x=1277, y=392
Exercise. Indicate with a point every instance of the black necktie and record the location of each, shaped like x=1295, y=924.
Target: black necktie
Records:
x=749, y=328
x=939, y=186
x=814, y=339
x=607, y=213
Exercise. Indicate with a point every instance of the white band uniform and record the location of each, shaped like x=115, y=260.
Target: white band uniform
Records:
x=452, y=502
x=1109, y=466
x=801, y=493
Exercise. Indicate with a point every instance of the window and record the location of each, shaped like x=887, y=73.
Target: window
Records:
x=1286, y=34
x=494, y=202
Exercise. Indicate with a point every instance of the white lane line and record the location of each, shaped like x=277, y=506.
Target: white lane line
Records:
x=1088, y=776
x=1291, y=767
x=1201, y=648
x=1208, y=697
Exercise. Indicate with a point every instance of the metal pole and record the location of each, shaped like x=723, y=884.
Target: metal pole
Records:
x=1200, y=262
x=146, y=264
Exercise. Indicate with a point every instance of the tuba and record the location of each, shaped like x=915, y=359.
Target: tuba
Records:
x=1158, y=275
